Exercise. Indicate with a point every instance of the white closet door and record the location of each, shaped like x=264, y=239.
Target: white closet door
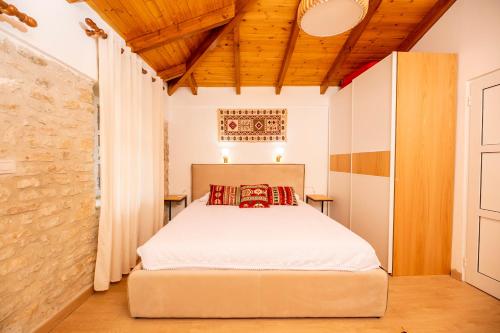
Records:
x=483, y=224
x=372, y=105
x=340, y=155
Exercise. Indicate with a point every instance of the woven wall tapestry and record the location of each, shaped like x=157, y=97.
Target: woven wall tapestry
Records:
x=252, y=125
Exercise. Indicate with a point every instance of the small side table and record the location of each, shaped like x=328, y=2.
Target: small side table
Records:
x=174, y=198
x=317, y=198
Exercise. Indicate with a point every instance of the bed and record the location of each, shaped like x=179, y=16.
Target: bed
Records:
x=227, y=262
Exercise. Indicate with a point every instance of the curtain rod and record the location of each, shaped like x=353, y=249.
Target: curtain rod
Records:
x=97, y=32
x=12, y=10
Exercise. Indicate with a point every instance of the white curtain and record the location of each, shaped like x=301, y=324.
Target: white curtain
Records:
x=131, y=150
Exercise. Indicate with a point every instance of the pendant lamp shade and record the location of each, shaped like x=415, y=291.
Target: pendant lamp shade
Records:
x=324, y=18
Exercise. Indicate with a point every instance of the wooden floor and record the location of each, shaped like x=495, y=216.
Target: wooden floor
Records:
x=416, y=304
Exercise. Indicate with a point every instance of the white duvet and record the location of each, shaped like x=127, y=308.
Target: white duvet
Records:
x=277, y=238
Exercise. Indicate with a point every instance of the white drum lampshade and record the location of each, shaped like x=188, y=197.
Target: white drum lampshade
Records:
x=324, y=18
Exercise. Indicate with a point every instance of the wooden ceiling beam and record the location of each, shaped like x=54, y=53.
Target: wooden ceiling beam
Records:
x=294, y=34
x=181, y=30
x=427, y=22
x=172, y=72
x=236, y=51
x=348, y=46
x=193, y=85
x=210, y=42
x=74, y=1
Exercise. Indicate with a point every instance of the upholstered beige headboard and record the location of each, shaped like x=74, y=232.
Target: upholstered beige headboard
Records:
x=202, y=175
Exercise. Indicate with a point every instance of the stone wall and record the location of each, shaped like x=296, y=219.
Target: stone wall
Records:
x=48, y=223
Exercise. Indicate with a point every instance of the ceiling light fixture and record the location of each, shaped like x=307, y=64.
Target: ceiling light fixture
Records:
x=322, y=18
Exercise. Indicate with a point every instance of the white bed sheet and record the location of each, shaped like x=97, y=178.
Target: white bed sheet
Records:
x=275, y=238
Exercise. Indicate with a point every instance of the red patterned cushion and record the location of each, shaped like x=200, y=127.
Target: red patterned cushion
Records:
x=224, y=195
x=282, y=195
x=254, y=196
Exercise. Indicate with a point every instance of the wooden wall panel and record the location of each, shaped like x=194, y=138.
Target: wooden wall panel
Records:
x=425, y=143
x=372, y=163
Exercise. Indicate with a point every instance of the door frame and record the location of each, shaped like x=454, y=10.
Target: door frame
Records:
x=475, y=151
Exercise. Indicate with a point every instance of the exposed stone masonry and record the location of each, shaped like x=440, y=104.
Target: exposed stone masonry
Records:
x=48, y=224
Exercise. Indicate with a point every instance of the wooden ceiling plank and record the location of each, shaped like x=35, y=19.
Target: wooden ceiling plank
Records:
x=264, y=35
x=172, y=72
x=193, y=85
x=294, y=34
x=237, y=67
x=427, y=22
x=182, y=30
x=349, y=45
x=207, y=44
x=75, y=1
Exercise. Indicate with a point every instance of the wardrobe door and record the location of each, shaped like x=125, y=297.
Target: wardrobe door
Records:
x=371, y=145
x=340, y=155
x=425, y=156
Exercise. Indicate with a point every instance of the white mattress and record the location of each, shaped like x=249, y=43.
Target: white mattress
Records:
x=277, y=238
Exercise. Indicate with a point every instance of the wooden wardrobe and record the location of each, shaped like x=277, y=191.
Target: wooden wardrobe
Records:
x=392, y=152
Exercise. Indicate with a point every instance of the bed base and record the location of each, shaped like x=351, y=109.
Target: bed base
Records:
x=256, y=294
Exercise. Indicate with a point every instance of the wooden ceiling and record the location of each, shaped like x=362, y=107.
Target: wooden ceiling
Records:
x=214, y=43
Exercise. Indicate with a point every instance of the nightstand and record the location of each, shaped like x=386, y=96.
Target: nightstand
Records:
x=318, y=198
x=174, y=198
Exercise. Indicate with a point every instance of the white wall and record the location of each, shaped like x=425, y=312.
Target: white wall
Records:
x=59, y=34
x=470, y=28
x=193, y=132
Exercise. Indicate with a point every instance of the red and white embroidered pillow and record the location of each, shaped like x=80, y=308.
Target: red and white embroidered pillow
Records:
x=254, y=196
x=224, y=195
x=282, y=195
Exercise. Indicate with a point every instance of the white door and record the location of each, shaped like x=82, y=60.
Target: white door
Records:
x=483, y=224
x=372, y=101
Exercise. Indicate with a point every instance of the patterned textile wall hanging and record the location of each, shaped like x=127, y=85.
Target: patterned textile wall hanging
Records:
x=252, y=125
